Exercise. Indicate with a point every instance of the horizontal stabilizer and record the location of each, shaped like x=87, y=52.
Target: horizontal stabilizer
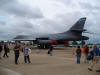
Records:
x=78, y=30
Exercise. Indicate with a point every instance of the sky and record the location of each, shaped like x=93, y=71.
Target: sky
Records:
x=29, y=17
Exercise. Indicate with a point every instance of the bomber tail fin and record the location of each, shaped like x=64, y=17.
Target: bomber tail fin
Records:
x=79, y=25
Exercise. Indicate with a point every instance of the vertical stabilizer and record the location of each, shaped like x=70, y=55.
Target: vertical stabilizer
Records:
x=79, y=25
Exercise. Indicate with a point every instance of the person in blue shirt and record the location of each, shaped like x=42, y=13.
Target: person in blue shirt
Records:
x=96, y=57
x=98, y=61
x=96, y=50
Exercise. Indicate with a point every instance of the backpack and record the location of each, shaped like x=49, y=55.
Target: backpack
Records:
x=78, y=52
x=87, y=50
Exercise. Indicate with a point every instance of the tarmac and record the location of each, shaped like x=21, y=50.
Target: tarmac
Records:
x=61, y=63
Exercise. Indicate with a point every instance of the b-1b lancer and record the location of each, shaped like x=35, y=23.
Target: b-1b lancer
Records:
x=73, y=34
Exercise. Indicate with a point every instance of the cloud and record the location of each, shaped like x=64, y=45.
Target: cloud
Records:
x=17, y=9
x=2, y=23
x=19, y=17
x=47, y=16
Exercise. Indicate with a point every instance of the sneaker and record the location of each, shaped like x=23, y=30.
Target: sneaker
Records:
x=16, y=63
x=97, y=70
x=29, y=62
x=89, y=69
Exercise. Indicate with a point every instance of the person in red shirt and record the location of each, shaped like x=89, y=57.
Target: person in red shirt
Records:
x=86, y=52
x=78, y=52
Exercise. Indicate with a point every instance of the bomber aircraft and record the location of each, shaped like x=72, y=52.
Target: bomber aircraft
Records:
x=73, y=34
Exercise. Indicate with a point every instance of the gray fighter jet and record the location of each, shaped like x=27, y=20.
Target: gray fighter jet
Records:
x=73, y=34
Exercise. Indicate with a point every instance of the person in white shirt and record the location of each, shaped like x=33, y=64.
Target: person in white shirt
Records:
x=26, y=51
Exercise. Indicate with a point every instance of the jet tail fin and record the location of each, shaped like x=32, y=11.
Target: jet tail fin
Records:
x=79, y=25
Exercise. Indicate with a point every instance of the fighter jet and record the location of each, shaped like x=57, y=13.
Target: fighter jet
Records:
x=73, y=34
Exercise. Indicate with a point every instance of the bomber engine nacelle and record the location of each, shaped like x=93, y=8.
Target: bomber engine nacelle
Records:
x=46, y=43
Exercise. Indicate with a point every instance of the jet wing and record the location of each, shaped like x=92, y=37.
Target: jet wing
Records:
x=24, y=38
x=31, y=37
x=39, y=36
